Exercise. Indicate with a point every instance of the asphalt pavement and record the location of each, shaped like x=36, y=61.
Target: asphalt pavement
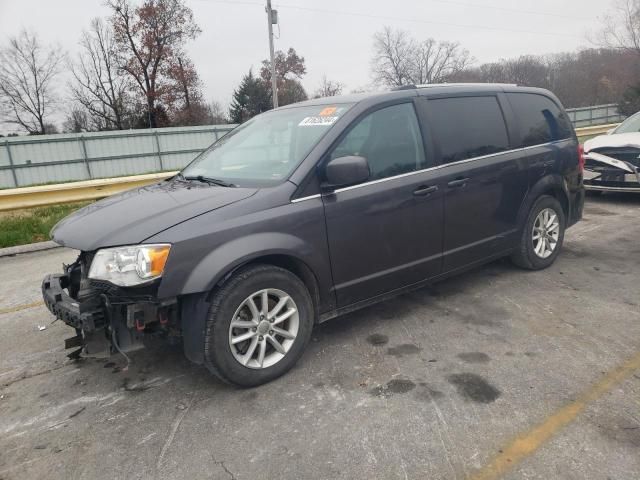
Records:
x=498, y=373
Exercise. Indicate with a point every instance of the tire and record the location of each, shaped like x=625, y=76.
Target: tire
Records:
x=241, y=299
x=526, y=256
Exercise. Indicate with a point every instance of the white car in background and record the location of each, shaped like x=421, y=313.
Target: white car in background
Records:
x=612, y=161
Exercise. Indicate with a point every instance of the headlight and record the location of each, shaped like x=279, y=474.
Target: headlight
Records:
x=129, y=266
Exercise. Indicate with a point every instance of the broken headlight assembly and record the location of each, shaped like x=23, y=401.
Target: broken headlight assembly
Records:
x=131, y=265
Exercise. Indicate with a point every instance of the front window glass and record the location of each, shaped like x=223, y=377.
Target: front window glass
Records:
x=267, y=148
x=390, y=140
x=630, y=125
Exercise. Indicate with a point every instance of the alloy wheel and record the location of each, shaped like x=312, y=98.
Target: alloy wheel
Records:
x=546, y=231
x=263, y=328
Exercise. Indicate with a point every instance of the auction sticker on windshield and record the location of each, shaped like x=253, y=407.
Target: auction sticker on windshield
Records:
x=317, y=121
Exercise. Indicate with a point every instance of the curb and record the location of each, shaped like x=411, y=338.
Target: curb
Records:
x=28, y=248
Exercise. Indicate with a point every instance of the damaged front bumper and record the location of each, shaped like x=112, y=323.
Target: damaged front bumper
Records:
x=106, y=318
x=63, y=307
x=607, y=174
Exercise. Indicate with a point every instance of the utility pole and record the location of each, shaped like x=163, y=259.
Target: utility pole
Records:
x=272, y=18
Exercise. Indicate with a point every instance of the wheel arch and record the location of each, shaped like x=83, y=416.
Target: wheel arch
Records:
x=286, y=261
x=552, y=185
x=273, y=248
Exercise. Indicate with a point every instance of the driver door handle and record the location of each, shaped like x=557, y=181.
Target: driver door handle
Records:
x=459, y=182
x=423, y=190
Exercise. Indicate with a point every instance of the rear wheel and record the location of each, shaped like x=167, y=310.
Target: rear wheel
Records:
x=542, y=235
x=259, y=323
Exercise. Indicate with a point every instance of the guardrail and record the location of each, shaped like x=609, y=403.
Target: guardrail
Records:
x=588, y=132
x=28, y=197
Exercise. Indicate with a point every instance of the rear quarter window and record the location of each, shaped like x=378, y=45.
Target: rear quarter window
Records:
x=468, y=127
x=540, y=119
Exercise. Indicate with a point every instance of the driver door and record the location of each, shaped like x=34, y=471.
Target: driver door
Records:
x=385, y=233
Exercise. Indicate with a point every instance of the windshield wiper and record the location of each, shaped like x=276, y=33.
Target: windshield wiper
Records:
x=214, y=181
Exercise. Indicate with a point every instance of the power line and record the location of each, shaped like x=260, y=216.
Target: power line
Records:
x=508, y=9
x=446, y=2
x=417, y=20
x=432, y=22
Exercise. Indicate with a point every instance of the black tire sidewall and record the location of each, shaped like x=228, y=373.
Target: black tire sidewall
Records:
x=218, y=356
x=543, y=202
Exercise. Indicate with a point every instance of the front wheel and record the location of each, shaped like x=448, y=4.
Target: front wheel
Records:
x=258, y=326
x=542, y=235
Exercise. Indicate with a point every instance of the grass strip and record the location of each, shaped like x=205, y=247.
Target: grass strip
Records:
x=32, y=225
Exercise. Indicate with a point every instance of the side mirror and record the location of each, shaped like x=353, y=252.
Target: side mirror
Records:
x=344, y=171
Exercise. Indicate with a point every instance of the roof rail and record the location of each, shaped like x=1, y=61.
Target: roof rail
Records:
x=404, y=87
x=470, y=84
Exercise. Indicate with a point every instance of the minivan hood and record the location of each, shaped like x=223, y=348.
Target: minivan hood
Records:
x=135, y=215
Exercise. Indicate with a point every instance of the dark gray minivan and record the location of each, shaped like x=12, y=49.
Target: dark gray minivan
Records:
x=313, y=210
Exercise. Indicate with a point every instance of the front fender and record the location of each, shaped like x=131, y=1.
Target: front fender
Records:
x=228, y=256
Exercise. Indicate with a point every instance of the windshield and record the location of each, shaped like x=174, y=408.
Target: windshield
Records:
x=267, y=148
x=630, y=125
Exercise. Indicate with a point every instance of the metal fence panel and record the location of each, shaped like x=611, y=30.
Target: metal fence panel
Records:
x=176, y=161
x=42, y=159
x=125, y=166
x=38, y=175
x=100, y=147
x=4, y=154
x=596, y=115
x=6, y=178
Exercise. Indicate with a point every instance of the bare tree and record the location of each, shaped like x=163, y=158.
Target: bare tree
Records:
x=27, y=71
x=579, y=79
x=390, y=64
x=99, y=84
x=328, y=88
x=435, y=62
x=184, y=96
x=217, y=114
x=149, y=37
x=76, y=121
x=621, y=28
x=400, y=60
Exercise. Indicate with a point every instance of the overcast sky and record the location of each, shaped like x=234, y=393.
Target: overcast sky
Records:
x=334, y=36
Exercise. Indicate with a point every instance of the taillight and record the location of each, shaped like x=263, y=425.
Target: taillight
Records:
x=581, y=158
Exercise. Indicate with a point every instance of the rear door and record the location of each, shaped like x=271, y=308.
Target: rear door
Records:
x=485, y=180
x=385, y=233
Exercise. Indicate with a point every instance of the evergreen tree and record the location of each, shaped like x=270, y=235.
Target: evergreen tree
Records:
x=249, y=99
x=630, y=101
x=290, y=91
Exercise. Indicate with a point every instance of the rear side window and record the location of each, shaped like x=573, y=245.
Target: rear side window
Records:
x=541, y=121
x=468, y=127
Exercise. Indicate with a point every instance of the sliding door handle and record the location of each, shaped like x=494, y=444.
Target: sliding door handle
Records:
x=423, y=191
x=457, y=183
